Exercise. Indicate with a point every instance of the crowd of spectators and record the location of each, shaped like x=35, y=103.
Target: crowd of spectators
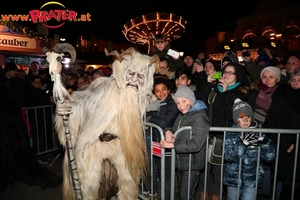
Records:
x=34, y=89
x=268, y=84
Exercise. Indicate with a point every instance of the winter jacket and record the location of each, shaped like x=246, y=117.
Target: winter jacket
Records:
x=284, y=113
x=196, y=145
x=164, y=117
x=14, y=88
x=222, y=102
x=236, y=150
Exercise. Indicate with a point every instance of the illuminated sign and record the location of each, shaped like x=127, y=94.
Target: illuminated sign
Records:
x=273, y=44
x=245, y=44
x=59, y=16
x=226, y=47
x=17, y=42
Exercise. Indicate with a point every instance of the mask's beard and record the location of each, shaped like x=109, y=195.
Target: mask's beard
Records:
x=131, y=132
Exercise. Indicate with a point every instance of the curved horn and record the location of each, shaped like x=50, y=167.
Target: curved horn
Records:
x=155, y=62
x=65, y=47
x=114, y=53
x=129, y=51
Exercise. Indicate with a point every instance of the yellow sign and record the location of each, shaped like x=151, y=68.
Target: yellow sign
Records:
x=226, y=47
x=273, y=44
x=245, y=44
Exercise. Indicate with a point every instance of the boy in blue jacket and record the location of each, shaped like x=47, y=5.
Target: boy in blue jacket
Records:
x=244, y=147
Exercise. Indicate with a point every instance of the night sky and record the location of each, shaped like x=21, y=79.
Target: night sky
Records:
x=204, y=18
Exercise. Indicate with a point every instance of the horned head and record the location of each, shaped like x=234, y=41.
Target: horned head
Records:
x=55, y=57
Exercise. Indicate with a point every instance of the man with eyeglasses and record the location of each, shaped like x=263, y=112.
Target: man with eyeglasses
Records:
x=160, y=47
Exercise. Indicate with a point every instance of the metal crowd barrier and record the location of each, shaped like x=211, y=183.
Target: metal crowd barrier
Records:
x=39, y=121
x=152, y=126
x=222, y=130
x=43, y=138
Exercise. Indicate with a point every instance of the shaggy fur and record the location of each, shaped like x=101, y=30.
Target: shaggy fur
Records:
x=108, y=106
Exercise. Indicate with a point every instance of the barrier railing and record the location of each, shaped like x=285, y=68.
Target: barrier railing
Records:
x=224, y=131
x=40, y=127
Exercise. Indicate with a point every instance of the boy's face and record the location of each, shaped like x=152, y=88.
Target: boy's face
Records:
x=183, y=105
x=163, y=65
x=182, y=80
x=244, y=122
x=160, y=45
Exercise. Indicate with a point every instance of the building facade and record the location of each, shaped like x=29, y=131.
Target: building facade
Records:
x=272, y=24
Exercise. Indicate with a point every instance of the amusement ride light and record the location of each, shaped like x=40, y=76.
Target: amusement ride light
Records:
x=142, y=29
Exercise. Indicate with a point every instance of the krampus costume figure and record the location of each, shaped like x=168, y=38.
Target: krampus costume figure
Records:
x=105, y=126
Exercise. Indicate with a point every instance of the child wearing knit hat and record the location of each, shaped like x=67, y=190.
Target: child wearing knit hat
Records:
x=185, y=95
x=242, y=113
x=241, y=154
x=186, y=142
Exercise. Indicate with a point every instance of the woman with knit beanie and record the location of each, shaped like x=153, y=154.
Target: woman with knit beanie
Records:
x=270, y=77
x=277, y=106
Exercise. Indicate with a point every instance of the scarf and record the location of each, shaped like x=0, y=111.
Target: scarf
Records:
x=263, y=102
x=264, y=98
x=230, y=87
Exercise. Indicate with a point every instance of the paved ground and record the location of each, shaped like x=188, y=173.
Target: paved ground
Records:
x=21, y=191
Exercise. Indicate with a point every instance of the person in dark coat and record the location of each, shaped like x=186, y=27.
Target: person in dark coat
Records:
x=162, y=112
x=35, y=95
x=12, y=83
x=219, y=96
x=40, y=118
x=284, y=113
x=161, y=47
